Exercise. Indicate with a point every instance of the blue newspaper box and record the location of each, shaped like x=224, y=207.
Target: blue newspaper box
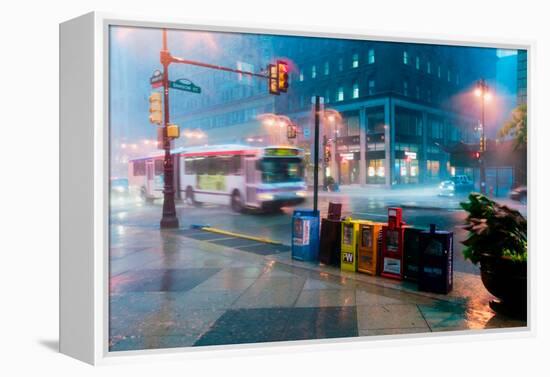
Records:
x=305, y=235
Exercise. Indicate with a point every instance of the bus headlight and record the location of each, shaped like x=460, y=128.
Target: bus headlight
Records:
x=265, y=196
x=301, y=194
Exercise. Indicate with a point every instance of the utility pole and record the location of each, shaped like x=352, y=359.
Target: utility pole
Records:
x=169, y=217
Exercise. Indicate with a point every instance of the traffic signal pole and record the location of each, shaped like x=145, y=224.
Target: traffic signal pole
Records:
x=316, y=154
x=169, y=217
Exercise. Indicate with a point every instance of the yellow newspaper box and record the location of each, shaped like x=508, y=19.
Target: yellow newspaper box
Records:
x=350, y=236
x=368, y=247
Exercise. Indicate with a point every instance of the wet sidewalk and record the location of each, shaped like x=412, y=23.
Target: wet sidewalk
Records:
x=170, y=290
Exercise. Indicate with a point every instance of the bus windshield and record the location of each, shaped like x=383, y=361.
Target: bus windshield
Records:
x=280, y=169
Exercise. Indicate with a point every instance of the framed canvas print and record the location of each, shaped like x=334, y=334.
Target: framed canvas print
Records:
x=244, y=187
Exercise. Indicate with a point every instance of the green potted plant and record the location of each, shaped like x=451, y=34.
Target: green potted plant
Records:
x=497, y=241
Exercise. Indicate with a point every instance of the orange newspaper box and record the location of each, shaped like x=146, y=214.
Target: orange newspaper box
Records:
x=370, y=240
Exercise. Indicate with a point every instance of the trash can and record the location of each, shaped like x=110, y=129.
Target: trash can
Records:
x=392, y=245
x=435, y=273
x=305, y=235
x=370, y=240
x=350, y=236
x=411, y=252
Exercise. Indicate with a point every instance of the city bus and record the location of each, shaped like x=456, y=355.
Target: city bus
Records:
x=239, y=176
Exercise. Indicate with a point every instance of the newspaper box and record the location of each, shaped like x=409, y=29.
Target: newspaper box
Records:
x=436, y=261
x=305, y=235
x=370, y=239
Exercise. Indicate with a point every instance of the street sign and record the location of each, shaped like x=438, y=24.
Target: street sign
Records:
x=156, y=79
x=185, y=85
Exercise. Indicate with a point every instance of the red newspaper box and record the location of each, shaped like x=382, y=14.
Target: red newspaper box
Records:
x=392, y=245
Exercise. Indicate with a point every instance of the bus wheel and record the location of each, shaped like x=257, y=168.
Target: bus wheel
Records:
x=236, y=201
x=190, y=195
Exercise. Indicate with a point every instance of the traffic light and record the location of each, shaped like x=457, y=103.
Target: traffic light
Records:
x=477, y=155
x=291, y=130
x=282, y=76
x=155, y=108
x=328, y=156
x=273, y=79
x=482, y=144
x=173, y=131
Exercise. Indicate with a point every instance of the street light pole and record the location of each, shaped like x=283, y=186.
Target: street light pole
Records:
x=482, y=89
x=169, y=217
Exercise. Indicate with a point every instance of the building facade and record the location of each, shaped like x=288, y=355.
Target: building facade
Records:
x=400, y=103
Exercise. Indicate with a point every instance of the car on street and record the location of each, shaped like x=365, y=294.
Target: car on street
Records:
x=519, y=194
x=459, y=184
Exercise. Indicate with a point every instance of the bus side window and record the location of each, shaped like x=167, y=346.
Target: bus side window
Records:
x=235, y=166
x=190, y=166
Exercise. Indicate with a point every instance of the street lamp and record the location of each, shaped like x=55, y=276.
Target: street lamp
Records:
x=332, y=118
x=482, y=91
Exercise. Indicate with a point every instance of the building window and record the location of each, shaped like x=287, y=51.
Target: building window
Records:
x=327, y=68
x=355, y=90
x=449, y=75
x=417, y=92
x=439, y=71
x=405, y=57
x=372, y=57
x=340, y=64
x=429, y=67
x=417, y=62
x=301, y=78
x=355, y=61
x=372, y=86
x=340, y=94
x=327, y=96
x=313, y=71
x=405, y=88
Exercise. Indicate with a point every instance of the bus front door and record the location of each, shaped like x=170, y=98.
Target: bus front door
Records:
x=250, y=180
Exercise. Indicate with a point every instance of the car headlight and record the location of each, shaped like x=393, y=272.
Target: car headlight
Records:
x=301, y=193
x=265, y=196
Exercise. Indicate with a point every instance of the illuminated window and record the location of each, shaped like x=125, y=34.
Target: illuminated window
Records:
x=449, y=75
x=417, y=62
x=405, y=57
x=371, y=56
x=355, y=61
x=429, y=67
x=340, y=94
x=301, y=76
x=355, y=90
x=405, y=88
x=313, y=71
x=326, y=68
x=439, y=71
